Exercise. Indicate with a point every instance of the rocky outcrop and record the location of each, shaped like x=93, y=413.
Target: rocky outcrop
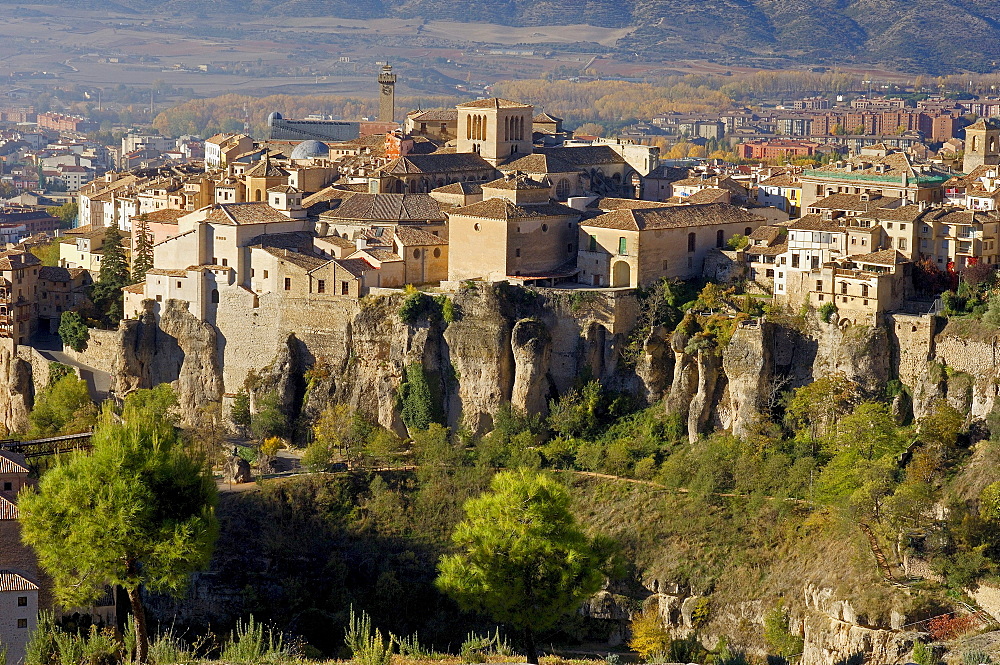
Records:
x=17, y=391
x=531, y=346
x=749, y=369
x=178, y=349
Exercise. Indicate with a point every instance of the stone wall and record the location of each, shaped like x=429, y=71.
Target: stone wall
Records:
x=102, y=349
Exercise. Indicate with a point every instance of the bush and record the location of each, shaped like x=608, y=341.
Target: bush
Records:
x=923, y=654
x=420, y=403
x=826, y=311
x=249, y=645
x=738, y=241
x=779, y=639
x=73, y=331
x=240, y=413
x=367, y=647
x=649, y=637
x=949, y=627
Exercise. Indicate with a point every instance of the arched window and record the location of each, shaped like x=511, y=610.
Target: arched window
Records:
x=720, y=238
x=256, y=195
x=993, y=144
x=468, y=127
x=215, y=296
x=506, y=129
x=692, y=239
x=484, y=128
x=975, y=143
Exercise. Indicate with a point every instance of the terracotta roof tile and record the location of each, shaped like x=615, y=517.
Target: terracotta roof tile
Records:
x=504, y=209
x=683, y=216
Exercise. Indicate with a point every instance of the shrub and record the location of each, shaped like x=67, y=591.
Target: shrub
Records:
x=951, y=626
x=779, y=639
x=826, y=311
x=367, y=647
x=923, y=654
x=73, y=331
x=420, y=404
x=738, y=241
x=976, y=657
x=240, y=412
x=251, y=644
x=649, y=637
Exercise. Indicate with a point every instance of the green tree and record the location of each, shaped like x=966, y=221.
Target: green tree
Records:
x=135, y=512
x=63, y=407
x=73, y=332
x=269, y=420
x=107, y=292
x=142, y=261
x=521, y=557
x=421, y=403
x=67, y=214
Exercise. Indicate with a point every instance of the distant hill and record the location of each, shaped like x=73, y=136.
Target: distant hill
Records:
x=928, y=36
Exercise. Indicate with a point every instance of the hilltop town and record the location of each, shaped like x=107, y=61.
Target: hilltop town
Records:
x=740, y=322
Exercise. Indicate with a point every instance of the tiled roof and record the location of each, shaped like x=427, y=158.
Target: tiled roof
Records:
x=388, y=207
x=769, y=234
x=303, y=260
x=545, y=118
x=299, y=240
x=706, y=214
x=11, y=581
x=434, y=115
x=380, y=254
x=245, y=213
x=853, y=202
x=465, y=188
x=356, y=267
x=338, y=241
x=135, y=288
x=413, y=237
x=708, y=195
x=887, y=257
x=266, y=169
x=781, y=180
x=609, y=203
x=12, y=463
x=814, y=222
x=51, y=274
x=166, y=216
x=437, y=163
x=15, y=259
x=585, y=155
x=493, y=103
x=504, y=209
x=538, y=163
x=515, y=182
x=8, y=509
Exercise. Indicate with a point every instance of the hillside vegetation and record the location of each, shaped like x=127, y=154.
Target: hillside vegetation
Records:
x=917, y=35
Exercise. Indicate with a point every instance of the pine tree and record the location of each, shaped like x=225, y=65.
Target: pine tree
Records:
x=142, y=261
x=107, y=293
x=138, y=512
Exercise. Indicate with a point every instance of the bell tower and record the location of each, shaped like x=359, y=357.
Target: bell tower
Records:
x=982, y=144
x=387, y=94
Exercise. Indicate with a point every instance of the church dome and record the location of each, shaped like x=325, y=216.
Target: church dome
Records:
x=271, y=118
x=310, y=150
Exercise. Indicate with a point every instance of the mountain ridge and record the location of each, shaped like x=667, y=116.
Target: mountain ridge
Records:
x=925, y=36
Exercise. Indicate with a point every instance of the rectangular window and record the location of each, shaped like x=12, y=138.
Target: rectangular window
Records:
x=265, y=274
x=345, y=288
x=517, y=252
x=288, y=283
x=901, y=243
x=623, y=246
x=795, y=260
x=819, y=285
x=22, y=601
x=252, y=272
x=321, y=286
x=664, y=265
x=22, y=623
x=843, y=287
x=179, y=284
x=225, y=262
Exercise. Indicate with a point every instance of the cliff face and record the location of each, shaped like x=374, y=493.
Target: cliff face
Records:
x=178, y=349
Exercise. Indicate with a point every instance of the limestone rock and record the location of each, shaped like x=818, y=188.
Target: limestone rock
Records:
x=178, y=349
x=749, y=370
x=236, y=470
x=17, y=391
x=530, y=342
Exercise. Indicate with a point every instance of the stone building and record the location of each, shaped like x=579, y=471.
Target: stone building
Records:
x=982, y=144
x=893, y=175
x=515, y=233
x=495, y=129
x=19, y=602
x=632, y=247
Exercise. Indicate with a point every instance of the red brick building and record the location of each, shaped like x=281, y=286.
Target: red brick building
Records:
x=776, y=149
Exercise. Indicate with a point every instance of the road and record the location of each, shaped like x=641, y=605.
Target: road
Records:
x=50, y=347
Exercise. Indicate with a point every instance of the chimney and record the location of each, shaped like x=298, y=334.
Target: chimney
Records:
x=361, y=243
